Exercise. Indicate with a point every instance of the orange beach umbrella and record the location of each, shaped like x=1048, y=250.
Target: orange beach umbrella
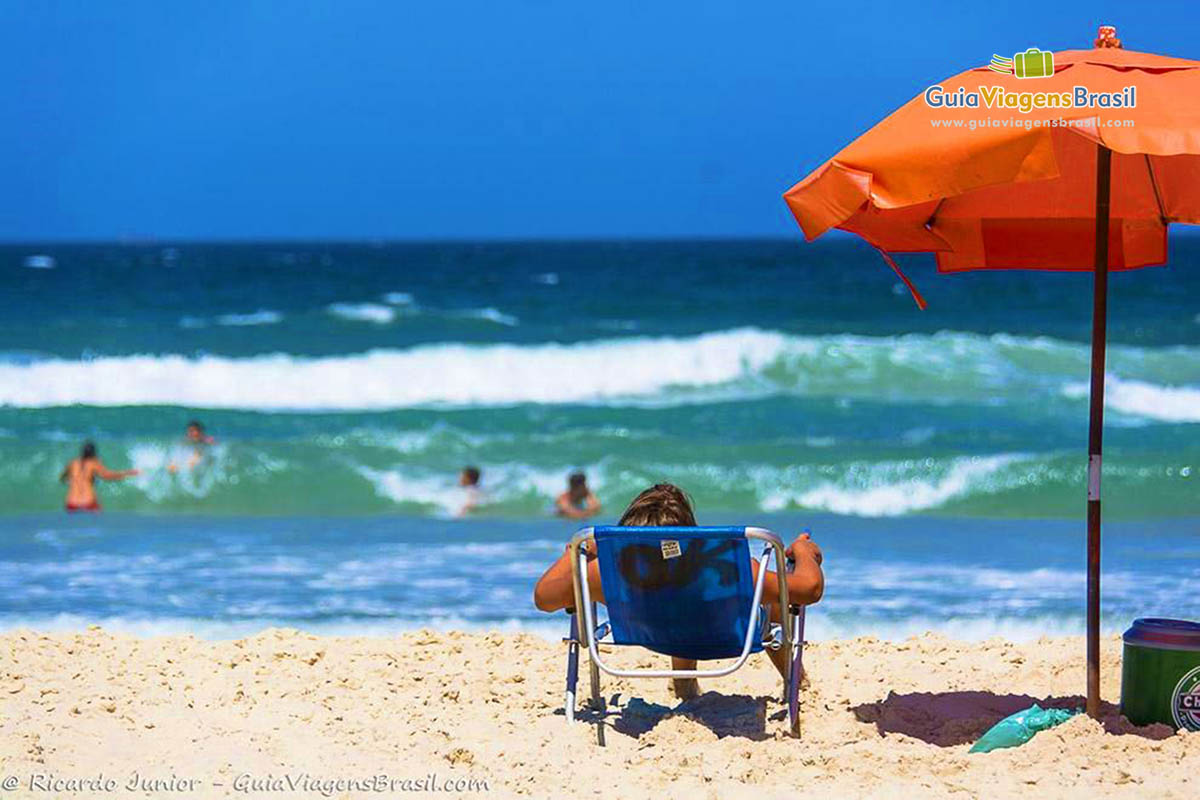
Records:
x=1076, y=160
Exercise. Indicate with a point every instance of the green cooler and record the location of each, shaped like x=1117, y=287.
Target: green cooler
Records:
x=1160, y=673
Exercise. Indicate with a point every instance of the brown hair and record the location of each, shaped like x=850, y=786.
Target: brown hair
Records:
x=661, y=505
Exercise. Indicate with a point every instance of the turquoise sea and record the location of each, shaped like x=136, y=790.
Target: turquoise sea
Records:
x=937, y=454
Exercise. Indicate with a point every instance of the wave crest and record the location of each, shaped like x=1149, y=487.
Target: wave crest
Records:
x=738, y=364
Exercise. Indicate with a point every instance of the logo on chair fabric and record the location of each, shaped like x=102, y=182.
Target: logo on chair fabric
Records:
x=670, y=565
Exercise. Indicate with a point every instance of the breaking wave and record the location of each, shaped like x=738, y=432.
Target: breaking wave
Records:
x=745, y=363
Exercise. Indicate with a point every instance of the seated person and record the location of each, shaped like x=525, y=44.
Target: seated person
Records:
x=577, y=502
x=664, y=505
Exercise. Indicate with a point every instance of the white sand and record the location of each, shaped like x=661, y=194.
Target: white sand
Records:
x=880, y=719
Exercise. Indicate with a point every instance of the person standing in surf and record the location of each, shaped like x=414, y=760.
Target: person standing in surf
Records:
x=577, y=502
x=80, y=476
x=473, y=497
x=199, y=441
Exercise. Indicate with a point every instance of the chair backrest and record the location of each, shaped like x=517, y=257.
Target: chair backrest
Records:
x=683, y=592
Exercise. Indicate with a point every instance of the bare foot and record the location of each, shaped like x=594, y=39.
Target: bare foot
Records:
x=685, y=688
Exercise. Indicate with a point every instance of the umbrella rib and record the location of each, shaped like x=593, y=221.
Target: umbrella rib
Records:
x=1162, y=211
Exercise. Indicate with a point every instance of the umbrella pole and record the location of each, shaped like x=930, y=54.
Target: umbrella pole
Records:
x=1096, y=425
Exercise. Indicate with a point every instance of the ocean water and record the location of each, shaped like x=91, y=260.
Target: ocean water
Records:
x=222, y=577
x=347, y=383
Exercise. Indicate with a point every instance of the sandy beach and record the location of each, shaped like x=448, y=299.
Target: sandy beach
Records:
x=187, y=717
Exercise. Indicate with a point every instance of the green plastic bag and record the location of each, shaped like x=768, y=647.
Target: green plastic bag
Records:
x=1017, y=729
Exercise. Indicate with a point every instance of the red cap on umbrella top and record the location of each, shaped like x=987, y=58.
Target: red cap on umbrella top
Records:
x=1107, y=37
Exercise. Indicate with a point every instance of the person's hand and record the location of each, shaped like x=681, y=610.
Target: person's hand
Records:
x=803, y=545
x=171, y=468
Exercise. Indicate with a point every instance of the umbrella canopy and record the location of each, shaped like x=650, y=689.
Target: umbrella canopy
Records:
x=998, y=188
x=1082, y=169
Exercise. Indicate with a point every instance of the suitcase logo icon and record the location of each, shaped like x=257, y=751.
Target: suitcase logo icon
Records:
x=1033, y=63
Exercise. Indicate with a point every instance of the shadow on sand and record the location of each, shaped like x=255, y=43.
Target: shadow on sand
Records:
x=723, y=714
x=954, y=718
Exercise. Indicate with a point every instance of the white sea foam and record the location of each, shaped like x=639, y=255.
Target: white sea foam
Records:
x=428, y=490
x=1147, y=400
x=363, y=312
x=883, y=489
x=487, y=315
x=502, y=483
x=264, y=316
x=738, y=364
x=167, y=472
x=404, y=303
x=39, y=261
x=427, y=375
x=875, y=495
x=224, y=629
x=821, y=626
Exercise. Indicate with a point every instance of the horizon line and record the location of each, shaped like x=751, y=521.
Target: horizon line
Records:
x=383, y=241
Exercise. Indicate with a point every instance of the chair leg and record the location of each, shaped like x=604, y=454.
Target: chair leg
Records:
x=597, y=697
x=793, y=700
x=598, y=704
x=572, y=669
x=796, y=670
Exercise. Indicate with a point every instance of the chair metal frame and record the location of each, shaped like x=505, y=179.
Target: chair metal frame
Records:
x=786, y=635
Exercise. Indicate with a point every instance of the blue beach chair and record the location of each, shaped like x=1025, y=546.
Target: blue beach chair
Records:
x=686, y=592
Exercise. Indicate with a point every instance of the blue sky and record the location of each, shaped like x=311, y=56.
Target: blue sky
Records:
x=518, y=119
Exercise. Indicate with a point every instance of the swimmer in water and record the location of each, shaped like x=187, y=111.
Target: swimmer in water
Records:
x=577, y=502
x=80, y=476
x=469, y=480
x=199, y=441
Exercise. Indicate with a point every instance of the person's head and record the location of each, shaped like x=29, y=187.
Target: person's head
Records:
x=88, y=451
x=663, y=504
x=469, y=476
x=195, y=431
x=577, y=488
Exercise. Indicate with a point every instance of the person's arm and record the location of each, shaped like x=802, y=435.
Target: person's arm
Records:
x=114, y=475
x=66, y=474
x=593, y=505
x=562, y=506
x=555, y=590
x=806, y=582
x=565, y=508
